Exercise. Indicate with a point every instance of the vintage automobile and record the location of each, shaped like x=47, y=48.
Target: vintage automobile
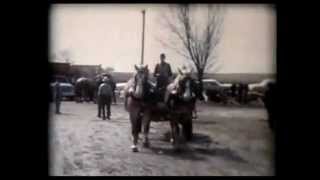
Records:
x=260, y=87
x=120, y=89
x=215, y=90
x=257, y=90
x=66, y=87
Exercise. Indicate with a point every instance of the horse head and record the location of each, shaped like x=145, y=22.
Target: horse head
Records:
x=140, y=80
x=186, y=87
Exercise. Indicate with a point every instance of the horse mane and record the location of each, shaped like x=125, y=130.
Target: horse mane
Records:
x=175, y=83
x=130, y=83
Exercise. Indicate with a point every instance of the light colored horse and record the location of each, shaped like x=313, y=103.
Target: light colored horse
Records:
x=181, y=97
x=134, y=91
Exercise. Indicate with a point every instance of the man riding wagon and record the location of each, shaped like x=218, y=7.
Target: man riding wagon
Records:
x=163, y=74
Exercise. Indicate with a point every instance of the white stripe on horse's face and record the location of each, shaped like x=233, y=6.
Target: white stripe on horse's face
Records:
x=138, y=91
x=140, y=77
x=187, y=92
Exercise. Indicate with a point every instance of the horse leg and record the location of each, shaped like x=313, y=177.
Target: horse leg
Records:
x=82, y=96
x=87, y=95
x=172, y=132
x=175, y=134
x=134, y=130
x=146, y=125
x=187, y=127
x=175, y=131
x=195, y=112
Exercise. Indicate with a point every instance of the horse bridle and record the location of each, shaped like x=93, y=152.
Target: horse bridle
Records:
x=181, y=87
x=135, y=86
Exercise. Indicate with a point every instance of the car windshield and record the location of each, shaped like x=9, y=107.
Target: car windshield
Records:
x=61, y=79
x=211, y=82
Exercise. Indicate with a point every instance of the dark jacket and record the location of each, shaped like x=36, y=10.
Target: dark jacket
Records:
x=163, y=69
x=57, y=91
x=105, y=89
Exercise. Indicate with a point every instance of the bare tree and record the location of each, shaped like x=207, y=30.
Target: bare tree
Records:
x=195, y=33
x=63, y=55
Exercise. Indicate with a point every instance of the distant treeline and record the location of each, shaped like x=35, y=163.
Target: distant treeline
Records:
x=225, y=78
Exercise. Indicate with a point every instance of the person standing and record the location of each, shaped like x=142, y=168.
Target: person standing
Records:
x=57, y=96
x=104, y=98
x=113, y=86
x=163, y=73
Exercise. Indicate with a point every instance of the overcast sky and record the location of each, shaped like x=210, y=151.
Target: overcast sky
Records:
x=110, y=35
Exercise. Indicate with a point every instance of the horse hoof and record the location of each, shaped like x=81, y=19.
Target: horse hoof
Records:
x=134, y=148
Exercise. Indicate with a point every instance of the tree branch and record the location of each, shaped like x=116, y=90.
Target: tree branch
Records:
x=176, y=49
x=199, y=42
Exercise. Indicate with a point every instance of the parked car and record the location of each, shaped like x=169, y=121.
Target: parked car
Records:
x=120, y=89
x=66, y=87
x=257, y=91
x=260, y=87
x=215, y=90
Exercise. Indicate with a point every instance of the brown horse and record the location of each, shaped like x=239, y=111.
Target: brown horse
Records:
x=84, y=89
x=135, y=95
x=181, y=96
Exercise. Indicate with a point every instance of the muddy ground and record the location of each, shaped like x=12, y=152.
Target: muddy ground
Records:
x=227, y=141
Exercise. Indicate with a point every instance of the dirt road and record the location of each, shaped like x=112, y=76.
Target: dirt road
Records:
x=227, y=141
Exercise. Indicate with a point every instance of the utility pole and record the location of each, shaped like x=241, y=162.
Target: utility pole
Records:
x=143, y=25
